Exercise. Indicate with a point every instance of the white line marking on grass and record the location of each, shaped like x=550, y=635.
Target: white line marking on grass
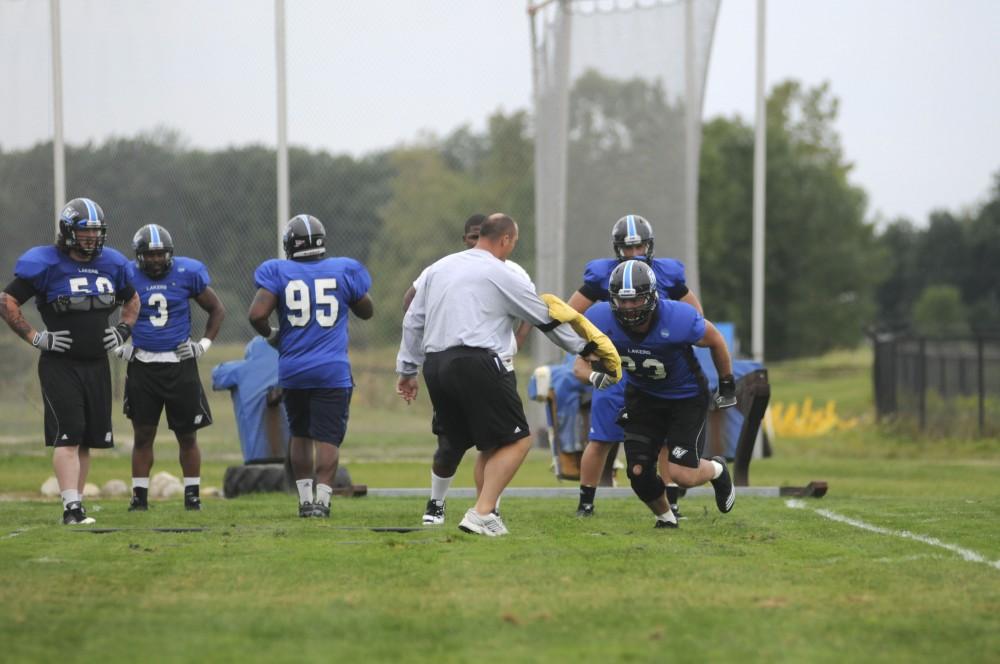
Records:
x=966, y=554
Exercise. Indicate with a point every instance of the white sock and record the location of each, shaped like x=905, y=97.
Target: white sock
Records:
x=718, y=468
x=323, y=493
x=439, y=487
x=140, y=482
x=69, y=496
x=667, y=516
x=192, y=481
x=497, y=507
x=305, y=488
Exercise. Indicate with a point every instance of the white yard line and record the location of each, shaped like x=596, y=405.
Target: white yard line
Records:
x=966, y=554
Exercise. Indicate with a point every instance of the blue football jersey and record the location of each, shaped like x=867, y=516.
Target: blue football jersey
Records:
x=662, y=363
x=597, y=275
x=64, y=289
x=313, y=302
x=53, y=273
x=165, y=312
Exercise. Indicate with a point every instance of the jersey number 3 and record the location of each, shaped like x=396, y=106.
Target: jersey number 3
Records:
x=299, y=301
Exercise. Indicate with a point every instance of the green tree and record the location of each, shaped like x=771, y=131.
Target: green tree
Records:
x=939, y=312
x=821, y=261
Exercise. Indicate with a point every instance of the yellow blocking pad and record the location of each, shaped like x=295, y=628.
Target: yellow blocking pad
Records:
x=564, y=313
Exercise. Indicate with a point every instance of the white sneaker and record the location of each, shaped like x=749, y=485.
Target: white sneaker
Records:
x=489, y=525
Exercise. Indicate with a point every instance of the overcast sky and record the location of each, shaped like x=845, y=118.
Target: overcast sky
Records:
x=918, y=80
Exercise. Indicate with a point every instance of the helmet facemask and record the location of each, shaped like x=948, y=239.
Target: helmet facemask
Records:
x=632, y=231
x=633, y=282
x=150, y=238
x=78, y=215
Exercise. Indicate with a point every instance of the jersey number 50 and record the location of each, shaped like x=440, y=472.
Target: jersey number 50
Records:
x=299, y=301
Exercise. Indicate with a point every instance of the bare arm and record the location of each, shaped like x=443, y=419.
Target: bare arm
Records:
x=716, y=343
x=130, y=311
x=209, y=301
x=264, y=302
x=579, y=301
x=10, y=311
x=408, y=297
x=364, y=308
x=521, y=334
x=693, y=300
x=581, y=370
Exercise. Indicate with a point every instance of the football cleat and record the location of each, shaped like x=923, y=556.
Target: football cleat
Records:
x=665, y=524
x=434, y=513
x=321, y=511
x=192, y=503
x=305, y=509
x=138, y=504
x=585, y=510
x=725, y=492
x=74, y=515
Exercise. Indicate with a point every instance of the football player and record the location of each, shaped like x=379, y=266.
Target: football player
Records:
x=312, y=294
x=77, y=284
x=666, y=395
x=631, y=238
x=163, y=368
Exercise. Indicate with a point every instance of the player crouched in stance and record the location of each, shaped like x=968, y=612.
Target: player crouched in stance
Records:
x=312, y=294
x=162, y=359
x=77, y=284
x=666, y=394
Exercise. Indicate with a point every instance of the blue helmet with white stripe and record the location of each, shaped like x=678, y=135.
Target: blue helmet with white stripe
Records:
x=77, y=215
x=633, y=293
x=305, y=238
x=631, y=231
x=153, y=237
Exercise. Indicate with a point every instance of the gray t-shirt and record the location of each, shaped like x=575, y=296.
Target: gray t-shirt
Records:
x=472, y=299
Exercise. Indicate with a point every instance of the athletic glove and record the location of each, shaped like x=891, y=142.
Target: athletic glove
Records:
x=126, y=351
x=57, y=342
x=189, y=350
x=116, y=336
x=274, y=338
x=601, y=380
x=727, y=392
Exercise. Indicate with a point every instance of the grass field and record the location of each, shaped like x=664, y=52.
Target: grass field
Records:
x=899, y=562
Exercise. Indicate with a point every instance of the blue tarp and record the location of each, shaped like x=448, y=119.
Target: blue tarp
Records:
x=248, y=382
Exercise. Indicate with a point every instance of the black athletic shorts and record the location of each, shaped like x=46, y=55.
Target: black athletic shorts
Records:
x=319, y=413
x=77, y=398
x=475, y=397
x=149, y=387
x=678, y=423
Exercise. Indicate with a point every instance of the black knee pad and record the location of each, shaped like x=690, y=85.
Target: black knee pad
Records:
x=646, y=484
x=448, y=457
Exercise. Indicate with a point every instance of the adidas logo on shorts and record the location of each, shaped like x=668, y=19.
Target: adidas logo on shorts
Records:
x=678, y=452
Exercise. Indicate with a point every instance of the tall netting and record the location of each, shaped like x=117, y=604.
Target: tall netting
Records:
x=618, y=100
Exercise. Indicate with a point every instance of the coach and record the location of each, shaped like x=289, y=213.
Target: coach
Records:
x=459, y=327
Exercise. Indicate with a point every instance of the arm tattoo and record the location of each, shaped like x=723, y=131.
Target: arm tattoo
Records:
x=10, y=311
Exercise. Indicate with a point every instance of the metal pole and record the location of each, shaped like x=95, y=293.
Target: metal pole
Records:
x=982, y=386
x=282, y=148
x=922, y=383
x=58, y=146
x=759, y=176
x=692, y=147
